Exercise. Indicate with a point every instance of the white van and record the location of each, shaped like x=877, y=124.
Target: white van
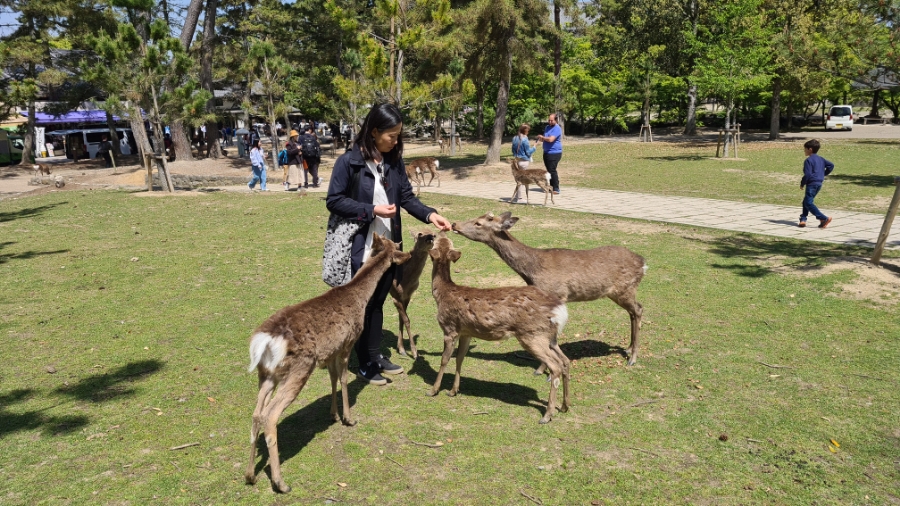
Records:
x=840, y=117
x=85, y=143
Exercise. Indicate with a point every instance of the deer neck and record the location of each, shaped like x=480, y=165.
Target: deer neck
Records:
x=521, y=258
x=413, y=267
x=440, y=275
x=369, y=274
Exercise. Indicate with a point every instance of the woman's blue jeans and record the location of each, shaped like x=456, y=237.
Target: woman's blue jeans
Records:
x=259, y=174
x=808, y=206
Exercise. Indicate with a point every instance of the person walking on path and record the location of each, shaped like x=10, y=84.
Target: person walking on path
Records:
x=552, y=139
x=104, y=150
x=368, y=184
x=312, y=155
x=815, y=168
x=258, y=164
x=295, y=162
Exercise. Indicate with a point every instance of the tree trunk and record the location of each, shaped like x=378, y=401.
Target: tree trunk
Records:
x=181, y=143
x=213, y=150
x=190, y=23
x=28, y=151
x=113, y=135
x=138, y=131
x=453, y=133
x=690, y=126
x=728, y=108
x=557, y=70
x=875, y=104
x=775, y=121
x=400, y=62
x=493, y=151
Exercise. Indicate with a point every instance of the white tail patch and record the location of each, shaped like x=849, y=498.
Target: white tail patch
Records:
x=547, y=177
x=645, y=267
x=560, y=317
x=266, y=351
x=437, y=164
x=418, y=170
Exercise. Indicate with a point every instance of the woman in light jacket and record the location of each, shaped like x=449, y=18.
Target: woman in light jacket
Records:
x=374, y=166
x=258, y=163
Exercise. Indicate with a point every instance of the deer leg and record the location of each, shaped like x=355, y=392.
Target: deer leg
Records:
x=460, y=355
x=282, y=399
x=449, y=339
x=266, y=387
x=635, y=311
x=515, y=192
x=412, y=340
x=401, y=315
x=348, y=417
x=549, y=358
x=333, y=375
x=438, y=176
x=565, y=376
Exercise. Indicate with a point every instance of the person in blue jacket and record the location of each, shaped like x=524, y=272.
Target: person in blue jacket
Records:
x=374, y=167
x=815, y=168
x=552, y=139
x=522, y=150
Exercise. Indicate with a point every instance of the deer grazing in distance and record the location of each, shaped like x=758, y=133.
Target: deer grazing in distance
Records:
x=402, y=292
x=526, y=177
x=319, y=332
x=536, y=318
x=429, y=164
x=571, y=275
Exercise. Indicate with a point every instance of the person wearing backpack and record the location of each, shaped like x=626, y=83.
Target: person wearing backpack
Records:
x=312, y=155
x=294, y=161
x=283, y=163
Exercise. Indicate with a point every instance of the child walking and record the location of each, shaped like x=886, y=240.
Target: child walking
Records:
x=815, y=168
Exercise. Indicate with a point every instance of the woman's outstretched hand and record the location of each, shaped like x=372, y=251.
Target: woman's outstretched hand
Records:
x=440, y=222
x=385, y=210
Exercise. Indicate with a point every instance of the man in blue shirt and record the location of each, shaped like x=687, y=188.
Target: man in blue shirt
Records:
x=552, y=140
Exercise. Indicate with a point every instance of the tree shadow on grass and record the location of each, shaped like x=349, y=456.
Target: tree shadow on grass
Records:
x=676, y=158
x=30, y=212
x=797, y=253
x=26, y=255
x=300, y=427
x=461, y=166
x=35, y=419
x=864, y=180
x=111, y=385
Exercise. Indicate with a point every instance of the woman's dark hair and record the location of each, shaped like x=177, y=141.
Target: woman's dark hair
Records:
x=255, y=144
x=383, y=117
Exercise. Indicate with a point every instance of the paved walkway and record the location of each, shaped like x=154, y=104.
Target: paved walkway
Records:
x=847, y=227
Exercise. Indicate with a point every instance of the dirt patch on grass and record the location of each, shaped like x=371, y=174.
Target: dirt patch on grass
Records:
x=880, y=285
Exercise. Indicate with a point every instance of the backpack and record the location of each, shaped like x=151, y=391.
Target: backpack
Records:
x=282, y=157
x=310, y=146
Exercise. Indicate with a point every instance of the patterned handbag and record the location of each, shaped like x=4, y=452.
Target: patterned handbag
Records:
x=336, y=270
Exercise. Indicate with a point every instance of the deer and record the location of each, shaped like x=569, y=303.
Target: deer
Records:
x=572, y=275
x=535, y=317
x=413, y=175
x=525, y=177
x=402, y=292
x=40, y=169
x=319, y=332
x=430, y=164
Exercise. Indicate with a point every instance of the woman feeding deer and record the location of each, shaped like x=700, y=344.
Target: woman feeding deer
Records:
x=367, y=185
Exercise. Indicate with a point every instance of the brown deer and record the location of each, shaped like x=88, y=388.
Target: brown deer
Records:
x=526, y=177
x=421, y=165
x=413, y=175
x=571, y=275
x=402, y=292
x=536, y=318
x=319, y=332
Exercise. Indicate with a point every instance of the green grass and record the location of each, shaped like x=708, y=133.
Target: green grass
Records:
x=144, y=307
x=767, y=172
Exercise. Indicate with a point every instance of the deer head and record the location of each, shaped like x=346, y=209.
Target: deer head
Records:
x=484, y=228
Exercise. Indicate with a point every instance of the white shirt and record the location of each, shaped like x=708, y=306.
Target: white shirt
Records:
x=381, y=226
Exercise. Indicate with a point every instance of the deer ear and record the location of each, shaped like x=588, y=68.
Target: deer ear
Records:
x=505, y=216
x=454, y=255
x=377, y=242
x=508, y=223
x=434, y=254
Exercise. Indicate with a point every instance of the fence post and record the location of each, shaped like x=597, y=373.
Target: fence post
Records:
x=888, y=221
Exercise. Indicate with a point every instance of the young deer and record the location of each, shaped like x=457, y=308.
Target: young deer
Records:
x=526, y=177
x=430, y=164
x=536, y=318
x=413, y=175
x=572, y=275
x=402, y=293
x=291, y=343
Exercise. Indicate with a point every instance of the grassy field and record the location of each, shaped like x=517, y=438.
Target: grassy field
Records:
x=125, y=322
x=767, y=172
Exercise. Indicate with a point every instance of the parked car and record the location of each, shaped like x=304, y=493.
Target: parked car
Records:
x=840, y=117
x=11, y=147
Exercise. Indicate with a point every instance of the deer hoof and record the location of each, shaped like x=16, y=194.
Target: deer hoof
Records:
x=348, y=422
x=282, y=487
x=545, y=419
x=432, y=393
x=452, y=393
x=250, y=479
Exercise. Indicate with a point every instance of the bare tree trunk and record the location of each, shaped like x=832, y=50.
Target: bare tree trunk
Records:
x=181, y=143
x=775, y=120
x=138, y=131
x=493, y=151
x=190, y=23
x=113, y=135
x=28, y=150
x=875, y=104
x=557, y=69
x=453, y=133
x=213, y=150
x=480, y=120
x=690, y=126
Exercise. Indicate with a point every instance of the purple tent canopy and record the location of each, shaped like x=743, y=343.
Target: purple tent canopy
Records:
x=71, y=117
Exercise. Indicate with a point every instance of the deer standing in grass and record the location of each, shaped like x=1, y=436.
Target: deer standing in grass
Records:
x=402, y=292
x=571, y=275
x=525, y=177
x=319, y=332
x=536, y=318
